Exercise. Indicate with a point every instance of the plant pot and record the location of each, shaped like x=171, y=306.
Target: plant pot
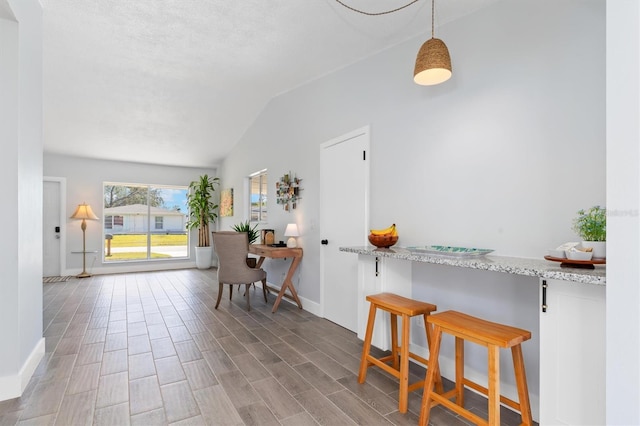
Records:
x=203, y=257
x=599, y=248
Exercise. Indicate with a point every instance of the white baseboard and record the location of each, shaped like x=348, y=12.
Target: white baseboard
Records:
x=308, y=305
x=12, y=386
x=133, y=267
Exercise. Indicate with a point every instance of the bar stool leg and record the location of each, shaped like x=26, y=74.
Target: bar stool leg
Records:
x=494, y=384
x=404, y=366
x=460, y=371
x=432, y=374
x=521, y=382
x=428, y=327
x=394, y=341
x=362, y=374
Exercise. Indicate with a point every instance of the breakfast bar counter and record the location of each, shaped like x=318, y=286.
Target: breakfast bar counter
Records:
x=529, y=267
x=563, y=307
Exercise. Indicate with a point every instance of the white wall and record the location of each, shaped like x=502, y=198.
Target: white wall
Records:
x=85, y=178
x=491, y=158
x=21, y=171
x=623, y=202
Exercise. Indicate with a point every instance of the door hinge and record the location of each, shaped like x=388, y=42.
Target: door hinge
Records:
x=544, y=295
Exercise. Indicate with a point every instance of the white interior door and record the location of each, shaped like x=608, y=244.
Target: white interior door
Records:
x=344, y=221
x=51, y=228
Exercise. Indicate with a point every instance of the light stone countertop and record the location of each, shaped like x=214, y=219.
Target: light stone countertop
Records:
x=530, y=267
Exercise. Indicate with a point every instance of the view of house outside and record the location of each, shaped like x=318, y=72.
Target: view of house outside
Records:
x=144, y=222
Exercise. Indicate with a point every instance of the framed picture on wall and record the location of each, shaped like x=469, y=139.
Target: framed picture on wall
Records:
x=226, y=202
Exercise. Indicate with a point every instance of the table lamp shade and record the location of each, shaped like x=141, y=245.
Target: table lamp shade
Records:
x=292, y=232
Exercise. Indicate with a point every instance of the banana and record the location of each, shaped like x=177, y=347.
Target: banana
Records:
x=391, y=230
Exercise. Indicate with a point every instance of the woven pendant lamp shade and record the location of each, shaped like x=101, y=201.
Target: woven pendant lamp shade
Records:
x=433, y=63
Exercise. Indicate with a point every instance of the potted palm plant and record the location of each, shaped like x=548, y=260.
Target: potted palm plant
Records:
x=252, y=233
x=202, y=212
x=591, y=226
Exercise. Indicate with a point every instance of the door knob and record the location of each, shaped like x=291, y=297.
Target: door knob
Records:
x=324, y=242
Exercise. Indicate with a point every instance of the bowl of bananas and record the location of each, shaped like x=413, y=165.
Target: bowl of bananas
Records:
x=384, y=238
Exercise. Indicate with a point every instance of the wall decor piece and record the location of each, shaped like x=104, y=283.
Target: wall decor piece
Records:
x=288, y=191
x=226, y=202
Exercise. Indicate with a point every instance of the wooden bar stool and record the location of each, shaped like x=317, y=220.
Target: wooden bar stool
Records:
x=406, y=308
x=491, y=335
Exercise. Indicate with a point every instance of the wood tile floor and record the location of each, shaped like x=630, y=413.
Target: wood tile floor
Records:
x=150, y=349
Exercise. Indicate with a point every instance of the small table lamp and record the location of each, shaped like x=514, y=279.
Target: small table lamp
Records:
x=291, y=232
x=84, y=212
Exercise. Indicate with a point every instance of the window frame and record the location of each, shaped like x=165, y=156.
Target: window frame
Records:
x=171, y=204
x=262, y=194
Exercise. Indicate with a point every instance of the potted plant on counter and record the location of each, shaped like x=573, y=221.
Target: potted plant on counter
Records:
x=591, y=226
x=202, y=212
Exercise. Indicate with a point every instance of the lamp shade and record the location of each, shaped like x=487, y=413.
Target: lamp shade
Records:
x=83, y=211
x=433, y=63
x=291, y=231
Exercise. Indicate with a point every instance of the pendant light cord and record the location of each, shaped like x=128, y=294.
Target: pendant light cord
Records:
x=433, y=8
x=379, y=13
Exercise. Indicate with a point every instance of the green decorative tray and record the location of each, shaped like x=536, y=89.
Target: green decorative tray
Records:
x=450, y=251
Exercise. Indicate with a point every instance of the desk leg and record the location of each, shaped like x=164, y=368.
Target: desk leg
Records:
x=264, y=284
x=288, y=284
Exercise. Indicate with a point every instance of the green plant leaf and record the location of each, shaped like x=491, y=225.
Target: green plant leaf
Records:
x=591, y=225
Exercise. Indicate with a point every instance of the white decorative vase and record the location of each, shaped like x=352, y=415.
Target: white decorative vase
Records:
x=599, y=248
x=203, y=257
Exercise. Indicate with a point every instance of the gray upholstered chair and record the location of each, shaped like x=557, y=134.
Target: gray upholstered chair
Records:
x=232, y=249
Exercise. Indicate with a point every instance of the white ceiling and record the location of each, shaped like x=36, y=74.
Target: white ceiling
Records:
x=178, y=82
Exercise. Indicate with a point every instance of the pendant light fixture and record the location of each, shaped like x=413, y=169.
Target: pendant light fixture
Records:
x=433, y=63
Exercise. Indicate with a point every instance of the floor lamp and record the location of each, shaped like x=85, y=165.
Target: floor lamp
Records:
x=84, y=212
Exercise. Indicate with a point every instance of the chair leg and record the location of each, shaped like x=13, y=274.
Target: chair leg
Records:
x=230, y=291
x=247, y=292
x=264, y=289
x=219, y=294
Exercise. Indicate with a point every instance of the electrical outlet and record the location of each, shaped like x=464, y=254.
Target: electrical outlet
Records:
x=418, y=322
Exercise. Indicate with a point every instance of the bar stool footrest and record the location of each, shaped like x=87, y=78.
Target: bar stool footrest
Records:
x=437, y=398
x=479, y=388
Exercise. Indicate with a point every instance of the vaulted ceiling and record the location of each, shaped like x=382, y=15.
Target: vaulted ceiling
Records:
x=178, y=82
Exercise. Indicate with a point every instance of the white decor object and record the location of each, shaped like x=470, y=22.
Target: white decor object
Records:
x=292, y=233
x=204, y=257
x=599, y=248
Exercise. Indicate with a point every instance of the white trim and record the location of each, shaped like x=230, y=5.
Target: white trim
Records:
x=63, y=220
x=307, y=304
x=144, y=266
x=13, y=386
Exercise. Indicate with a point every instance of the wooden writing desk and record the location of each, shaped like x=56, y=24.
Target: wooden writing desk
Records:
x=295, y=254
